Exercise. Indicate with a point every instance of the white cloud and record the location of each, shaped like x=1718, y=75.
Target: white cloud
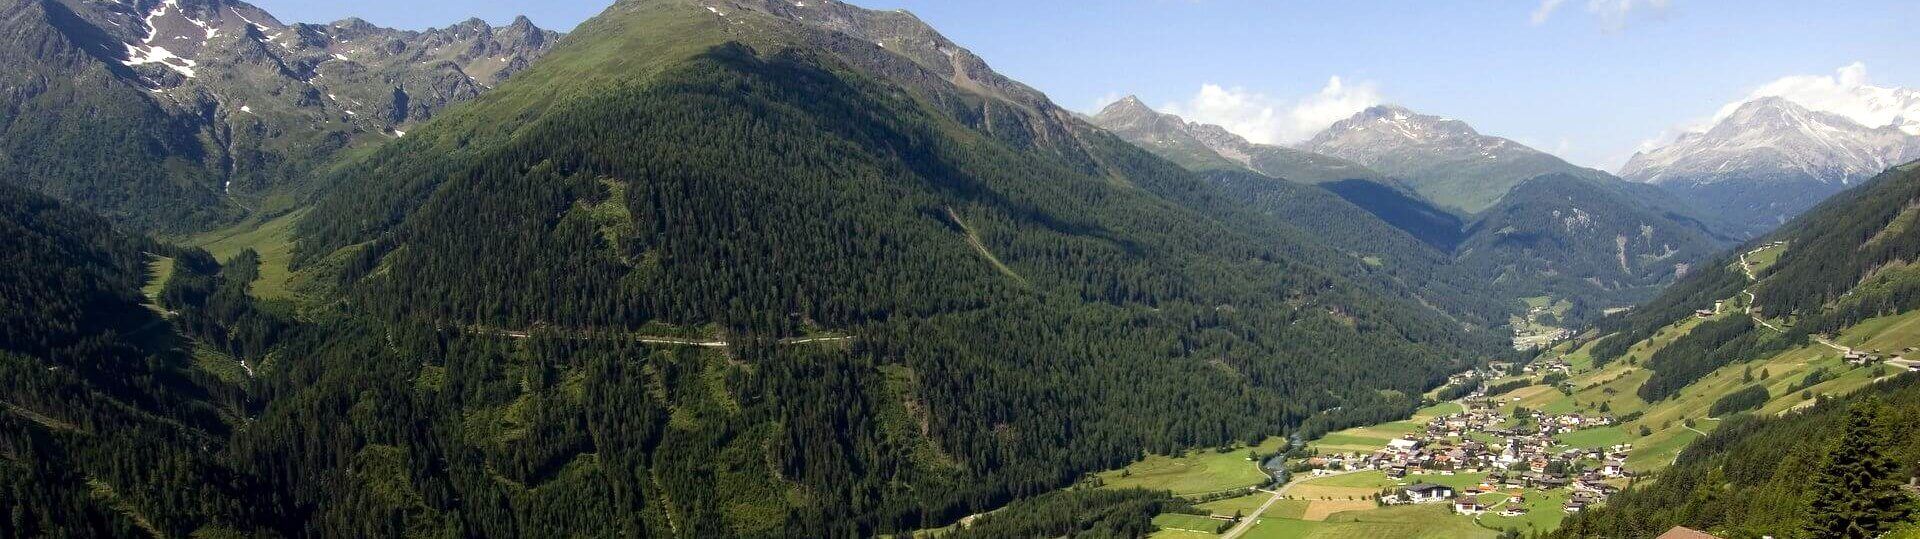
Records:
x=1266, y=120
x=1545, y=11
x=1615, y=14
x=1847, y=92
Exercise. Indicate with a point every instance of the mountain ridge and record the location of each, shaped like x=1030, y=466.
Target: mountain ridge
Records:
x=1771, y=159
x=1444, y=159
x=237, y=105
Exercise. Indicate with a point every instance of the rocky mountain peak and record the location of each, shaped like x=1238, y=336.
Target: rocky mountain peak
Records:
x=1771, y=158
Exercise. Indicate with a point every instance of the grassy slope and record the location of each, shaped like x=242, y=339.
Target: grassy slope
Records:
x=159, y=270
x=272, y=239
x=1198, y=471
x=1415, y=521
x=1371, y=438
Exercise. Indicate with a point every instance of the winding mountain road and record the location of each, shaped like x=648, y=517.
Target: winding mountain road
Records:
x=652, y=339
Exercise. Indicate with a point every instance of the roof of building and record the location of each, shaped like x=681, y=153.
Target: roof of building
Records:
x=1423, y=487
x=1683, y=532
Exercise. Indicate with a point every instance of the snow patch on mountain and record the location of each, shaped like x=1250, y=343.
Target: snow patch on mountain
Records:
x=1773, y=137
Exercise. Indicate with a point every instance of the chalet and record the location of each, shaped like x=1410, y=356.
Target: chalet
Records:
x=1513, y=511
x=1574, y=507
x=1428, y=492
x=1613, y=468
x=1468, y=506
x=1397, y=472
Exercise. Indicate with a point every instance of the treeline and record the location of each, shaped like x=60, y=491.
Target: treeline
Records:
x=1706, y=283
x=1837, y=246
x=1709, y=346
x=1511, y=385
x=1076, y=513
x=211, y=304
x=1831, y=470
x=1747, y=398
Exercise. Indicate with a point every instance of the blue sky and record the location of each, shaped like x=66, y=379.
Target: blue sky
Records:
x=1590, y=80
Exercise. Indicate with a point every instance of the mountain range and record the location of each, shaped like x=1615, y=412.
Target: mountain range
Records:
x=185, y=114
x=758, y=268
x=1541, y=226
x=1771, y=159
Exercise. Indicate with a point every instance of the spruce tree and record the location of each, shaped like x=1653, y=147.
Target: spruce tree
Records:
x=1856, y=493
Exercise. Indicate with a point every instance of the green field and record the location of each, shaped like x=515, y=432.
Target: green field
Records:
x=1184, y=522
x=1246, y=505
x=273, y=240
x=161, y=269
x=1198, y=471
x=1544, y=513
x=1765, y=258
x=1594, y=438
x=1434, y=521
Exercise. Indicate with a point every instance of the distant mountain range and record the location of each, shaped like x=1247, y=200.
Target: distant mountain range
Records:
x=237, y=105
x=1205, y=146
x=1531, y=223
x=1771, y=159
x=1443, y=159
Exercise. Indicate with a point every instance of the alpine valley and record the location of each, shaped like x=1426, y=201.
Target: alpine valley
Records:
x=776, y=268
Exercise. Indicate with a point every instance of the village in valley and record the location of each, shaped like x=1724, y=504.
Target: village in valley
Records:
x=1511, y=454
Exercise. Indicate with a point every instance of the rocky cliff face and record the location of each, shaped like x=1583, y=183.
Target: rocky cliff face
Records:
x=234, y=105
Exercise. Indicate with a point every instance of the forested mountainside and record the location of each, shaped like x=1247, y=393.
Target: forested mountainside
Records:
x=1770, y=159
x=103, y=417
x=178, y=115
x=1842, y=262
x=1830, y=470
x=1403, y=210
x=733, y=268
x=1393, y=253
x=1584, y=242
x=1831, y=284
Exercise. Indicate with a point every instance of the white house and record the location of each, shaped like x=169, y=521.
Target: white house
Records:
x=1428, y=492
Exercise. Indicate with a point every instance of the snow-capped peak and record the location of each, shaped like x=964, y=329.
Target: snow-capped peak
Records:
x=1773, y=138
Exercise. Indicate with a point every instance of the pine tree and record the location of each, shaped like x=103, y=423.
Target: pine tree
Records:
x=1857, y=491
